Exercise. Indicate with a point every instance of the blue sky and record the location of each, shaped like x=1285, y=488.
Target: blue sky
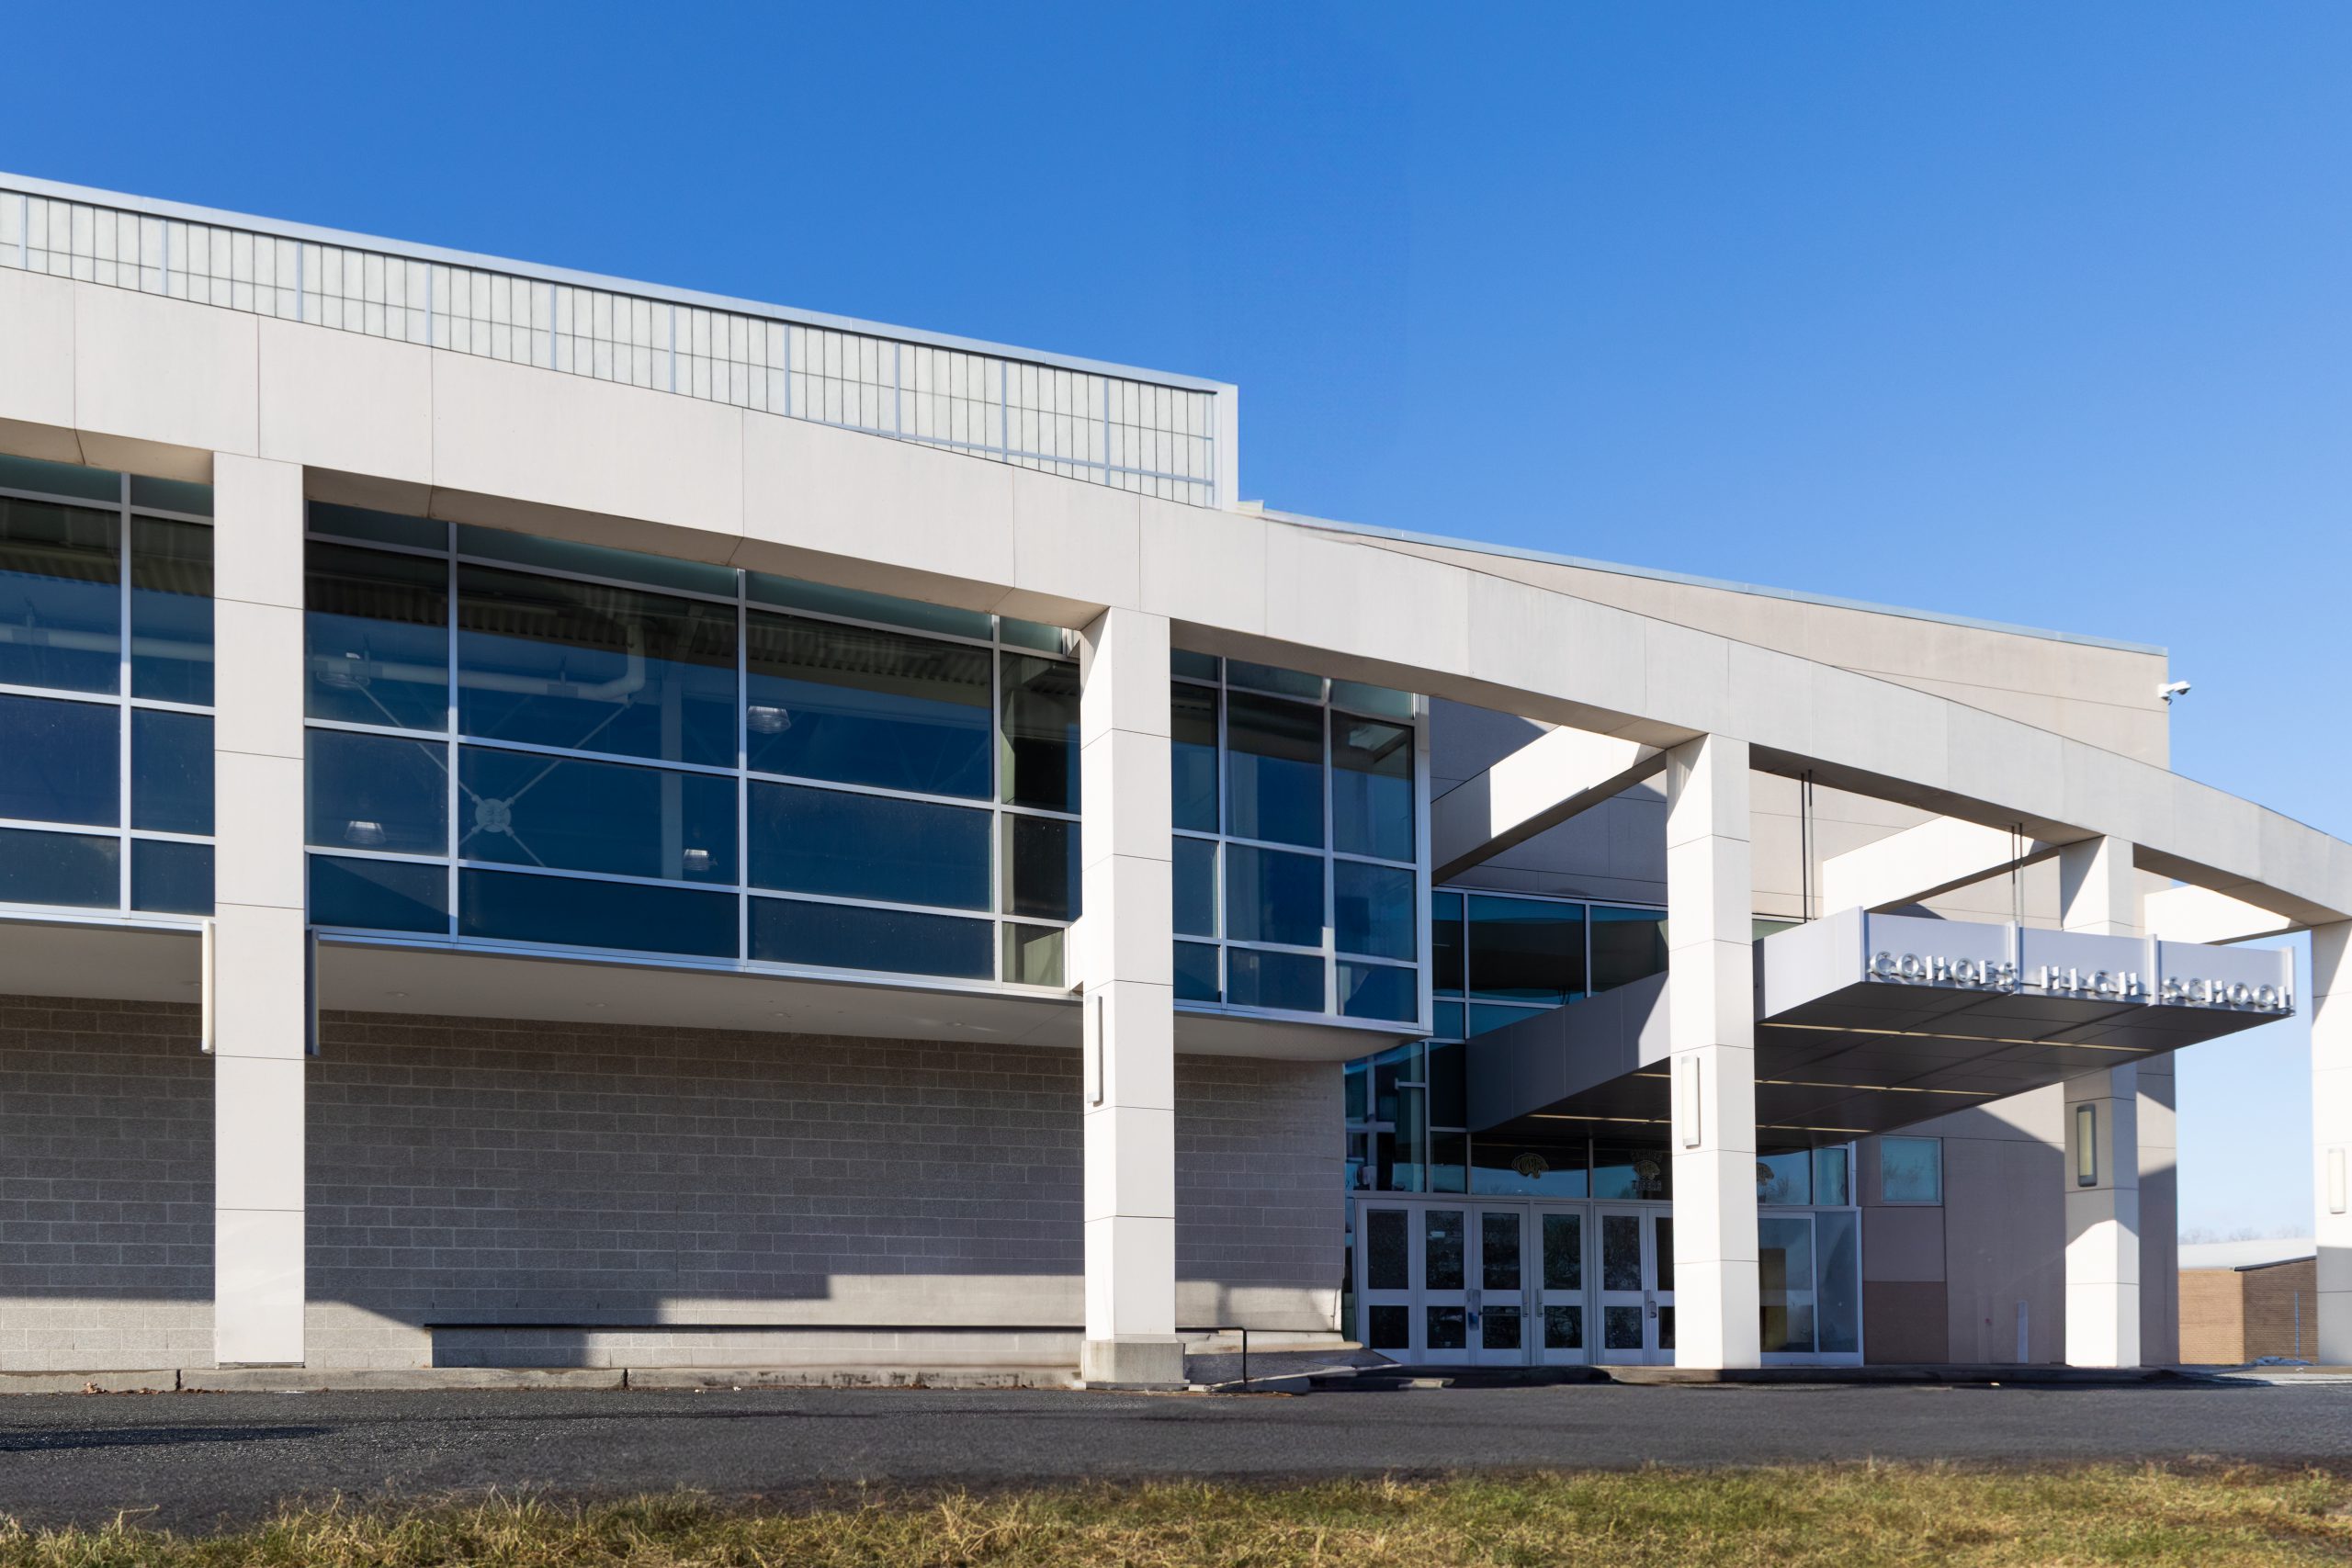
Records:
x=2035, y=313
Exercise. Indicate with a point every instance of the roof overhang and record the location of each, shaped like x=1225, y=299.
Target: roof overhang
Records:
x=1870, y=1022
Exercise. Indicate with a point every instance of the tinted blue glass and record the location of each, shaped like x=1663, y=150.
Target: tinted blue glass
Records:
x=843, y=936
x=380, y=894
x=1200, y=666
x=171, y=495
x=525, y=808
x=382, y=528
x=1380, y=701
x=1273, y=896
x=1524, y=949
x=1193, y=756
x=171, y=879
x=1041, y=867
x=595, y=560
x=868, y=846
x=171, y=611
x=171, y=772
x=1292, y=981
x=61, y=762
x=565, y=911
x=376, y=637
x=790, y=594
x=1373, y=909
x=1268, y=678
x=375, y=792
x=1040, y=732
x=1378, y=990
x=1273, y=770
x=1445, y=942
x=1196, y=976
x=855, y=705
x=1195, y=878
x=1627, y=945
x=1371, y=788
x=1485, y=1016
x=61, y=479
x=1446, y=1021
x=61, y=597
x=72, y=869
x=588, y=668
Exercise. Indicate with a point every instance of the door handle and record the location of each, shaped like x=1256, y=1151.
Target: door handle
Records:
x=1651, y=1302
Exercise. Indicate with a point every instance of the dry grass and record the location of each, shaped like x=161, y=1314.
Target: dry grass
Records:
x=1784, y=1517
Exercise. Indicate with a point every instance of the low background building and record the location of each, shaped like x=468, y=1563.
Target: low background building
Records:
x=2241, y=1301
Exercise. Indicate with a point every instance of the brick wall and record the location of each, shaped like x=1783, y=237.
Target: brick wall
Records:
x=468, y=1172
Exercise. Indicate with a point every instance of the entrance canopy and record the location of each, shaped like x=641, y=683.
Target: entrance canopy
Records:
x=1870, y=1022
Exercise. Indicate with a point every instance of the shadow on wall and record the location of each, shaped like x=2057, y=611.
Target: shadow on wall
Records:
x=538, y=1194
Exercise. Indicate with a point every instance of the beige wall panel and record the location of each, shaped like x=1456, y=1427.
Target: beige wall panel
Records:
x=338, y=400
x=882, y=515
x=153, y=374
x=37, y=356
x=553, y=440
x=1077, y=549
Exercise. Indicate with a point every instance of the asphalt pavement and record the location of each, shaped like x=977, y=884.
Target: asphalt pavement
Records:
x=201, y=1461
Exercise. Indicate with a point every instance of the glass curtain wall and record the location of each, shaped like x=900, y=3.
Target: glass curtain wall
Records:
x=1299, y=855
x=105, y=690
x=517, y=740
x=1495, y=958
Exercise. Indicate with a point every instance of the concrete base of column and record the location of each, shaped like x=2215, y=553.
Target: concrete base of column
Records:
x=1133, y=1361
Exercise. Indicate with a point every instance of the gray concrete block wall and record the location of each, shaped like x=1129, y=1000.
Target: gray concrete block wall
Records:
x=105, y=1186
x=680, y=1194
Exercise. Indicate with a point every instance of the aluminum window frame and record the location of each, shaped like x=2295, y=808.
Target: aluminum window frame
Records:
x=451, y=738
x=1328, y=949
x=124, y=510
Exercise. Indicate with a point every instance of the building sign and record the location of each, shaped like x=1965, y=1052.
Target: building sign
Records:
x=1954, y=955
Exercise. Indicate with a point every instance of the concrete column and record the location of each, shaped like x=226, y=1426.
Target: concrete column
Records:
x=259, y=992
x=2330, y=990
x=1711, y=992
x=2098, y=891
x=1125, y=948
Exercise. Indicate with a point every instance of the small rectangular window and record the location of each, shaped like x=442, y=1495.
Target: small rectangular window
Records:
x=1274, y=771
x=171, y=611
x=376, y=791
x=380, y=894
x=1371, y=788
x=845, y=936
x=1192, y=757
x=1040, y=733
x=61, y=596
x=76, y=870
x=1194, y=876
x=171, y=772
x=861, y=705
x=1911, y=1170
x=1292, y=982
x=870, y=846
x=1273, y=896
x=1524, y=949
x=171, y=879
x=376, y=636
x=61, y=761
x=1196, y=973
x=569, y=911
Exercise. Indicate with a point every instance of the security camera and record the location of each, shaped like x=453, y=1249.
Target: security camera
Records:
x=2172, y=689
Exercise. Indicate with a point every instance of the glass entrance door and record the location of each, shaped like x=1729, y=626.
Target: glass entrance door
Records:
x=1636, y=1256
x=1557, y=1326
x=1499, y=1304
x=1445, y=1283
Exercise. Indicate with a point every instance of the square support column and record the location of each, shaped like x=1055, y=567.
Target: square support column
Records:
x=2330, y=988
x=1710, y=991
x=2098, y=892
x=258, y=984
x=1125, y=947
